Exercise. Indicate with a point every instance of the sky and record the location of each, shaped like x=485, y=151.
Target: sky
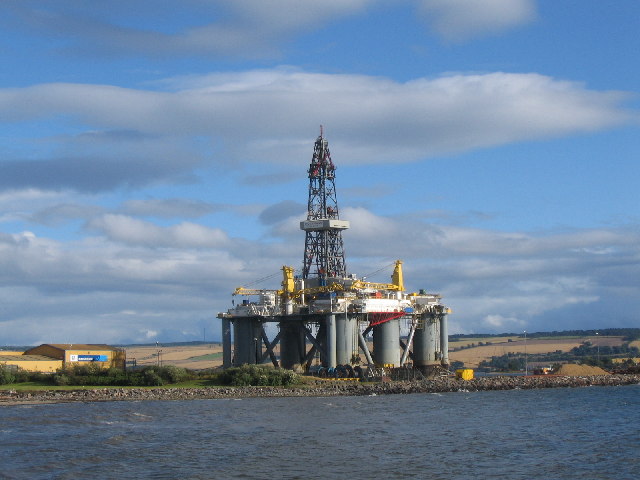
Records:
x=154, y=155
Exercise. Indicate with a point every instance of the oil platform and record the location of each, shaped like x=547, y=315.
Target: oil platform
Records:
x=326, y=315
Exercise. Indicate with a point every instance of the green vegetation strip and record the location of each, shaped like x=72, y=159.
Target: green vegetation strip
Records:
x=208, y=356
x=80, y=377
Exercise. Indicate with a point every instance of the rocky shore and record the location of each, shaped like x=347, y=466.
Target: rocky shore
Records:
x=319, y=389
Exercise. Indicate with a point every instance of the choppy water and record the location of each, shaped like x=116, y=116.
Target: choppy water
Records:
x=587, y=433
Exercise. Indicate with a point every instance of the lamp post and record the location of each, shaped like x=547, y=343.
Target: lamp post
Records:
x=255, y=349
x=526, y=359
x=598, y=347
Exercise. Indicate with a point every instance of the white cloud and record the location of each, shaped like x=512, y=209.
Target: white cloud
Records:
x=500, y=281
x=63, y=212
x=139, y=276
x=19, y=203
x=500, y=322
x=139, y=271
x=242, y=27
x=459, y=20
x=151, y=334
x=168, y=207
x=265, y=116
x=249, y=28
x=281, y=211
x=129, y=230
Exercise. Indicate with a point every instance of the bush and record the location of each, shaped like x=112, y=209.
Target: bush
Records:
x=173, y=374
x=258, y=375
x=6, y=376
x=95, y=375
x=61, y=379
x=24, y=376
x=152, y=379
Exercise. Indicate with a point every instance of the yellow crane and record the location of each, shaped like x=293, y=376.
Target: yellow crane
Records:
x=288, y=290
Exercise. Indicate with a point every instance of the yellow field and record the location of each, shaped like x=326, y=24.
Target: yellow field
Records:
x=474, y=355
x=210, y=355
x=189, y=356
x=464, y=342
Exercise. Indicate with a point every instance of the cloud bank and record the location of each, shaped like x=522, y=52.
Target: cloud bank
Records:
x=244, y=28
x=458, y=20
x=495, y=281
x=135, y=137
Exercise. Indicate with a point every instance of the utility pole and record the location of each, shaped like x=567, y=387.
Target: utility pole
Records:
x=526, y=359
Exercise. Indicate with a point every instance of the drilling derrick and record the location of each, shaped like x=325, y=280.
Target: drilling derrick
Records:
x=323, y=246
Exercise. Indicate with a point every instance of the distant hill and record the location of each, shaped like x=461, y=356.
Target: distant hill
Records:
x=628, y=333
x=195, y=343
x=167, y=344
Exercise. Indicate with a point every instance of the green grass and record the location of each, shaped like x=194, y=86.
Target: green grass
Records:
x=208, y=356
x=197, y=383
x=38, y=386
x=35, y=386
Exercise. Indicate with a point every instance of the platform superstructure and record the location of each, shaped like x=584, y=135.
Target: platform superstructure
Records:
x=326, y=315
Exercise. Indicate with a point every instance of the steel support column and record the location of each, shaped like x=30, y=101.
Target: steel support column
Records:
x=292, y=344
x=385, y=343
x=331, y=341
x=345, y=339
x=444, y=340
x=226, y=343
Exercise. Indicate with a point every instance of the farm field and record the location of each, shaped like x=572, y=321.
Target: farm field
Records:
x=195, y=357
x=474, y=355
x=465, y=342
x=210, y=355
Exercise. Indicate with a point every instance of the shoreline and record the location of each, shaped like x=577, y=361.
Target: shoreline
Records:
x=324, y=389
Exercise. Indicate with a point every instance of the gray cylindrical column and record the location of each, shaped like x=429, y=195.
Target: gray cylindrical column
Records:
x=386, y=343
x=247, y=341
x=444, y=340
x=226, y=343
x=433, y=343
x=345, y=339
x=331, y=341
x=425, y=342
x=292, y=344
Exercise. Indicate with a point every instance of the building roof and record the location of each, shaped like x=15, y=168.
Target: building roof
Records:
x=27, y=358
x=79, y=346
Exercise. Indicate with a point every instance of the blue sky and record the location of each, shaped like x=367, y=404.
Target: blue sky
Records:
x=154, y=157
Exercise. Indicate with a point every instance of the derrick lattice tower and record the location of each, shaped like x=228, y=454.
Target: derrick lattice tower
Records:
x=323, y=246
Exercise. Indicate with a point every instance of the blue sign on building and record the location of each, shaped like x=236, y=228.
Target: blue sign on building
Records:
x=93, y=358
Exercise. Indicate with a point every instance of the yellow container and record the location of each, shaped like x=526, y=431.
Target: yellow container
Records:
x=464, y=373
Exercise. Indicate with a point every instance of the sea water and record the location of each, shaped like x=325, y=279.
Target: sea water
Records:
x=579, y=433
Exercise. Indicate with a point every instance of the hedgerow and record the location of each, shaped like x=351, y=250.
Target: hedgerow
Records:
x=258, y=375
x=93, y=375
